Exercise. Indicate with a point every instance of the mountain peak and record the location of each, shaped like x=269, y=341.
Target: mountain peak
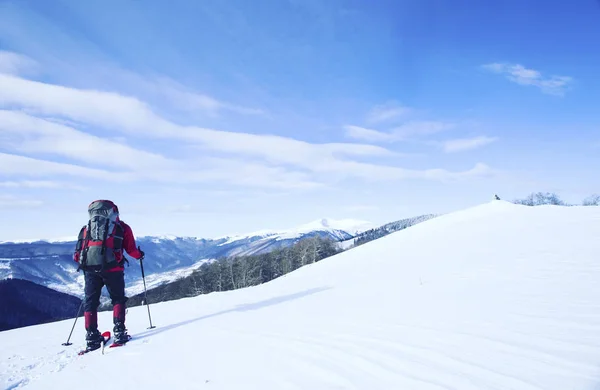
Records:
x=348, y=225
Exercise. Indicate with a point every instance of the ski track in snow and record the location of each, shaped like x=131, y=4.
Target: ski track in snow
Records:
x=497, y=297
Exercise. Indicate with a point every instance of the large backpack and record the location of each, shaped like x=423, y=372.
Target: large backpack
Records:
x=100, y=242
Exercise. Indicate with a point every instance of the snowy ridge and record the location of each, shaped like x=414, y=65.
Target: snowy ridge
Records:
x=334, y=226
x=499, y=296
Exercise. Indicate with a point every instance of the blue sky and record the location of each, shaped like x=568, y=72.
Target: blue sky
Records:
x=217, y=117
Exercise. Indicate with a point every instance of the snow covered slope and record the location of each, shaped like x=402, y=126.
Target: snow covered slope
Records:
x=499, y=296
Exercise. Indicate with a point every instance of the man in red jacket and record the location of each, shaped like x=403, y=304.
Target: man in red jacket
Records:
x=99, y=252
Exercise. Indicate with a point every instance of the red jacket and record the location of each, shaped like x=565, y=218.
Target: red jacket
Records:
x=129, y=246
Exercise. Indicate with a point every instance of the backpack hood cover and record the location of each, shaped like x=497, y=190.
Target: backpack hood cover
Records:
x=104, y=214
x=100, y=205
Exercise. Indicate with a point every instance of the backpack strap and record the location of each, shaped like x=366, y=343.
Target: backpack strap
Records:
x=79, y=246
x=103, y=251
x=118, y=237
x=83, y=261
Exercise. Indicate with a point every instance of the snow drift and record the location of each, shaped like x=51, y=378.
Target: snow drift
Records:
x=499, y=296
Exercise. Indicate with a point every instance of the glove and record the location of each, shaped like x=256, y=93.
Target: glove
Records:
x=76, y=257
x=142, y=253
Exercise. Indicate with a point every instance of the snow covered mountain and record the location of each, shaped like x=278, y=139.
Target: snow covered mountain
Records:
x=49, y=263
x=498, y=296
x=339, y=230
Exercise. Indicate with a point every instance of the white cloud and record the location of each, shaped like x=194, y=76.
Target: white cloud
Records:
x=103, y=109
x=248, y=173
x=41, y=184
x=9, y=202
x=462, y=144
x=13, y=63
x=30, y=184
x=281, y=150
x=28, y=134
x=388, y=112
x=369, y=135
x=15, y=165
x=415, y=128
x=233, y=157
x=171, y=92
x=399, y=133
x=372, y=172
x=361, y=208
x=553, y=85
x=182, y=98
x=231, y=171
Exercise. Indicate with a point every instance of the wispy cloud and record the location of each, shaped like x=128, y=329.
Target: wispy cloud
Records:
x=399, y=133
x=14, y=63
x=552, y=85
x=28, y=134
x=16, y=165
x=232, y=157
x=463, y=144
x=167, y=91
x=182, y=98
x=41, y=184
x=388, y=112
x=361, y=208
x=415, y=128
x=368, y=135
x=9, y=202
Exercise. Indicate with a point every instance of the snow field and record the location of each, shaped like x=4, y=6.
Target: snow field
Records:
x=498, y=296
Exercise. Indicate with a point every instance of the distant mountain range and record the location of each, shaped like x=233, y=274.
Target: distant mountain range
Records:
x=49, y=262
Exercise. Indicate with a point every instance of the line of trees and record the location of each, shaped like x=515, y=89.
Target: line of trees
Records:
x=389, y=228
x=592, y=200
x=550, y=198
x=232, y=273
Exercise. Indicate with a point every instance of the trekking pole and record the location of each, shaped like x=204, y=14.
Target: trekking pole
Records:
x=76, y=317
x=146, y=294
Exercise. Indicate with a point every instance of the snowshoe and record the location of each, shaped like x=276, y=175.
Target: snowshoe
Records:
x=95, y=340
x=120, y=343
x=120, y=334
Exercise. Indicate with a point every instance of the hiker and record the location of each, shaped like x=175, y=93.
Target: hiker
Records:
x=99, y=252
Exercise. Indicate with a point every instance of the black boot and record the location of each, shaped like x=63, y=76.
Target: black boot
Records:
x=120, y=333
x=94, y=339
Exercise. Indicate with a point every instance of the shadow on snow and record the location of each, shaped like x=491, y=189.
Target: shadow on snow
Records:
x=239, y=308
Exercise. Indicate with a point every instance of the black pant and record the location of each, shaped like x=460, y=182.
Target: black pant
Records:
x=94, y=281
